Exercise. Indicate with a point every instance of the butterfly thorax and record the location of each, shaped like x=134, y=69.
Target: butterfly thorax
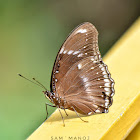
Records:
x=56, y=100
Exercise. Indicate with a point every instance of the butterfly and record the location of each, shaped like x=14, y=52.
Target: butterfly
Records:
x=80, y=80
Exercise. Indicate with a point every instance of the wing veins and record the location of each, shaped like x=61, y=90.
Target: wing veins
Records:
x=84, y=105
x=78, y=75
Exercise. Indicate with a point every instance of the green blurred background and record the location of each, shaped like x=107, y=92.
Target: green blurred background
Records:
x=31, y=33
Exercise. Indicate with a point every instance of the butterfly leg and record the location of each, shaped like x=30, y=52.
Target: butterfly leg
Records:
x=47, y=110
x=61, y=117
x=65, y=112
x=64, y=108
x=78, y=114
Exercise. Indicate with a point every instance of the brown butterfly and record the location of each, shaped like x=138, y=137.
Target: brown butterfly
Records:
x=80, y=80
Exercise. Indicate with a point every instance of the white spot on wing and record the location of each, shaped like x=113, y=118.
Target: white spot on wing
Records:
x=70, y=52
x=106, y=89
x=106, y=76
x=76, y=52
x=106, y=80
x=56, y=71
x=103, y=69
x=100, y=66
x=107, y=93
x=85, y=79
x=112, y=85
x=107, y=101
x=104, y=72
x=61, y=50
x=64, y=51
x=82, y=31
x=79, y=66
x=80, y=55
x=106, y=110
x=97, y=111
x=107, y=84
x=89, y=113
x=87, y=85
x=112, y=94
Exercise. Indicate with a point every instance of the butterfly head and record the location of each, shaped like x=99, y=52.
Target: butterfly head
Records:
x=49, y=95
x=46, y=93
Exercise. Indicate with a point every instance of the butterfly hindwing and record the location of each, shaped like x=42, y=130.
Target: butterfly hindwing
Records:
x=88, y=85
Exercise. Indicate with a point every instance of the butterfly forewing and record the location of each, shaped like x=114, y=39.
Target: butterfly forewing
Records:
x=81, y=43
x=79, y=75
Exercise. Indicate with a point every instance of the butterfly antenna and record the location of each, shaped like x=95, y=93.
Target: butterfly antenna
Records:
x=32, y=81
x=39, y=83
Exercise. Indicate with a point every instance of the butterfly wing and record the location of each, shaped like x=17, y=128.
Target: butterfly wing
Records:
x=79, y=75
x=88, y=87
